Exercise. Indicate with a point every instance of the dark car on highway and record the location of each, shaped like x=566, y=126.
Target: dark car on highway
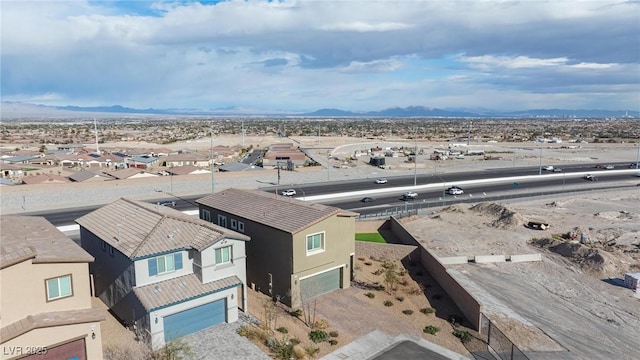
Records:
x=368, y=199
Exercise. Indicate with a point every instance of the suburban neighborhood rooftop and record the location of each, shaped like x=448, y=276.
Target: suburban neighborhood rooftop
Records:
x=24, y=237
x=139, y=229
x=258, y=206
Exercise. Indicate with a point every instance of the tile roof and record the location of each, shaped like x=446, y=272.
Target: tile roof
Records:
x=83, y=175
x=180, y=289
x=292, y=215
x=124, y=173
x=139, y=229
x=45, y=179
x=49, y=319
x=25, y=237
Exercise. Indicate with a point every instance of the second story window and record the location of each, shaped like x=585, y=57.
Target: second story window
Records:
x=223, y=255
x=59, y=287
x=222, y=220
x=315, y=243
x=165, y=263
x=205, y=215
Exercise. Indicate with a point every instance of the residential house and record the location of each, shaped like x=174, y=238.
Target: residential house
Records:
x=165, y=273
x=142, y=162
x=89, y=176
x=10, y=171
x=187, y=170
x=195, y=159
x=130, y=173
x=44, y=179
x=298, y=250
x=238, y=166
x=45, y=294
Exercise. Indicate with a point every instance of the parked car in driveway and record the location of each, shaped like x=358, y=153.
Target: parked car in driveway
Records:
x=288, y=192
x=381, y=181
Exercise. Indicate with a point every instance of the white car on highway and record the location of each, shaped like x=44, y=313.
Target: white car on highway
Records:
x=288, y=192
x=409, y=195
x=381, y=181
x=455, y=191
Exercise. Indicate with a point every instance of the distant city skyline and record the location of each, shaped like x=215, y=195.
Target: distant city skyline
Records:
x=301, y=56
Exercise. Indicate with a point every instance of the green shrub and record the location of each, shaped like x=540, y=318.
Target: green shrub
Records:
x=388, y=303
x=430, y=330
x=282, y=330
x=334, y=334
x=464, y=336
x=407, y=312
x=333, y=342
x=370, y=295
x=282, y=350
x=400, y=298
x=455, y=320
x=311, y=351
x=427, y=311
x=318, y=336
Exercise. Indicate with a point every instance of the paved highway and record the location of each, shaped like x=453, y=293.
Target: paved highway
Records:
x=430, y=189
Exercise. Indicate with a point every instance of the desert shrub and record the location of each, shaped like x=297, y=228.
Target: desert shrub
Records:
x=368, y=263
x=282, y=330
x=400, y=298
x=455, y=320
x=311, y=351
x=294, y=341
x=361, y=258
x=333, y=342
x=378, y=272
x=299, y=352
x=388, y=303
x=333, y=334
x=370, y=295
x=464, y=336
x=318, y=336
x=282, y=350
x=402, y=272
x=427, y=311
x=320, y=324
x=253, y=333
x=429, y=329
x=407, y=312
x=175, y=349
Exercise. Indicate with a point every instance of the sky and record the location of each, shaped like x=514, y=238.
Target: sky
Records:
x=304, y=55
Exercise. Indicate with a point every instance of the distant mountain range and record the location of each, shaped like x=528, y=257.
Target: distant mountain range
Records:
x=10, y=109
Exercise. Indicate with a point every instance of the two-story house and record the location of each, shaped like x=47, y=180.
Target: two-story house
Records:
x=165, y=273
x=298, y=250
x=45, y=294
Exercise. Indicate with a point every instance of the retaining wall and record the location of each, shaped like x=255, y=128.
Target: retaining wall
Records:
x=469, y=306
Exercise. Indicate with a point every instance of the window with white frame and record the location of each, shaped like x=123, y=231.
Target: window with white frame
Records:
x=205, y=215
x=315, y=243
x=240, y=226
x=222, y=220
x=165, y=263
x=59, y=287
x=234, y=224
x=223, y=255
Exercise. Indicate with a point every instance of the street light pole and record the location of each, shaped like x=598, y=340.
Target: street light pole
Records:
x=638, y=156
x=415, y=159
x=212, y=162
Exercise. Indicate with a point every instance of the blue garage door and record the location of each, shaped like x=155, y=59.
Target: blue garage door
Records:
x=195, y=319
x=320, y=284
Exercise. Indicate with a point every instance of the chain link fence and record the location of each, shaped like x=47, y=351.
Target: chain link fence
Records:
x=498, y=344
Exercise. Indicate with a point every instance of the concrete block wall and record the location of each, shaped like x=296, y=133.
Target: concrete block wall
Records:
x=465, y=301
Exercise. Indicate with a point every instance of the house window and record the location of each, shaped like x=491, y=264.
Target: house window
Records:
x=222, y=220
x=205, y=215
x=223, y=255
x=315, y=243
x=234, y=224
x=164, y=264
x=59, y=287
x=240, y=226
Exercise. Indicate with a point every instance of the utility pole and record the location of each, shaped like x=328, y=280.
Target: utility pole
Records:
x=469, y=134
x=212, y=162
x=415, y=159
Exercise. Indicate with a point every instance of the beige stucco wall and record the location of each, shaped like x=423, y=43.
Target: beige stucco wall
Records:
x=53, y=336
x=23, y=289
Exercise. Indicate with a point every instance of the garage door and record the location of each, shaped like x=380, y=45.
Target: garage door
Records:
x=195, y=319
x=320, y=284
x=74, y=350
